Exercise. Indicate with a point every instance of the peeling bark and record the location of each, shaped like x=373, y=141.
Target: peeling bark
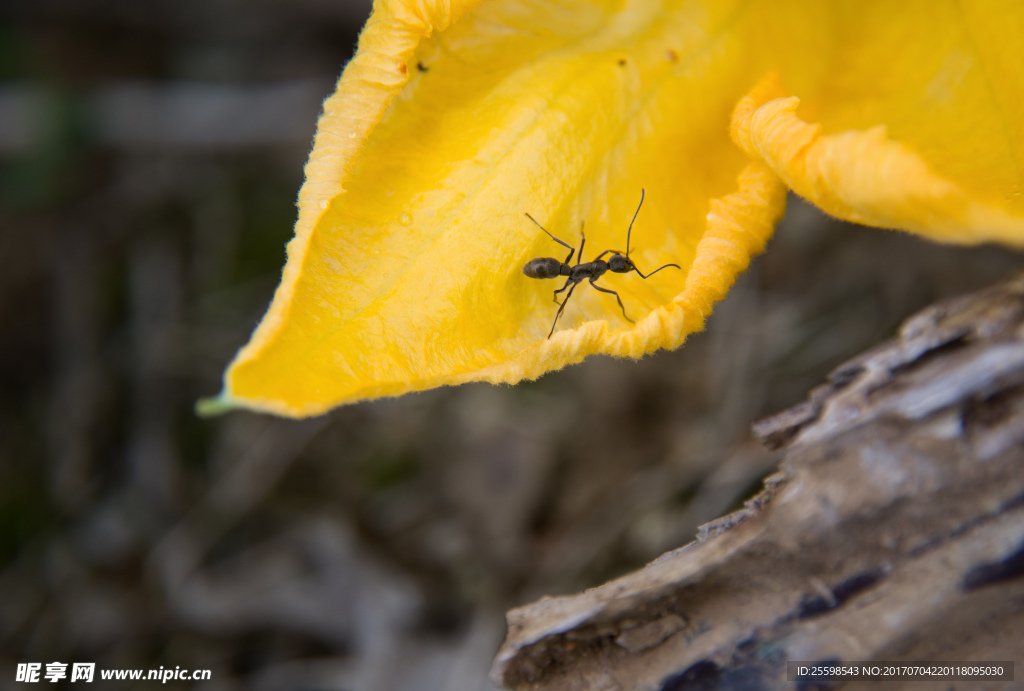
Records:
x=894, y=530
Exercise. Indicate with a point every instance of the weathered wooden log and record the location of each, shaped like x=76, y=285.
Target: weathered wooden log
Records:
x=893, y=531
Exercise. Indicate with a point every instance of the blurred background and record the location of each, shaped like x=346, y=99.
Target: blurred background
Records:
x=150, y=156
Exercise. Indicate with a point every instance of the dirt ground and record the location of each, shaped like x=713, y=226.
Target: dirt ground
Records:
x=150, y=155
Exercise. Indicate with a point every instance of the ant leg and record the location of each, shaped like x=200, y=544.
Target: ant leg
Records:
x=560, y=309
x=567, y=282
x=607, y=252
x=563, y=244
x=583, y=241
x=656, y=270
x=605, y=290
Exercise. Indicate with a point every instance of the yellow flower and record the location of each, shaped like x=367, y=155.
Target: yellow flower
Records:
x=455, y=119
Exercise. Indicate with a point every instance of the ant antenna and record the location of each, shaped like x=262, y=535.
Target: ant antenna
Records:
x=630, y=231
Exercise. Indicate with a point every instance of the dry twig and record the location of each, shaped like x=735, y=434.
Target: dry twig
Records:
x=894, y=530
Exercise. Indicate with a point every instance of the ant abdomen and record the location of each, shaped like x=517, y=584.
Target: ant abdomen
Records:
x=544, y=267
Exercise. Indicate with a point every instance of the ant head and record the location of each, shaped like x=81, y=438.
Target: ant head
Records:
x=620, y=264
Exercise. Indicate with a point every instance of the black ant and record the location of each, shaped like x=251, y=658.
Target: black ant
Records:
x=549, y=267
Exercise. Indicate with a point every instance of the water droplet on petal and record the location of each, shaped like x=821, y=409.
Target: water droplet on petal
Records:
x=405, y=219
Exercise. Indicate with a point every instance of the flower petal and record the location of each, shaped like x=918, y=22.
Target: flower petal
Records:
x=411, y=277
x=370, y=83
x=456, y=119
x=911, y=116
x=289, y=378
x=864, y=176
